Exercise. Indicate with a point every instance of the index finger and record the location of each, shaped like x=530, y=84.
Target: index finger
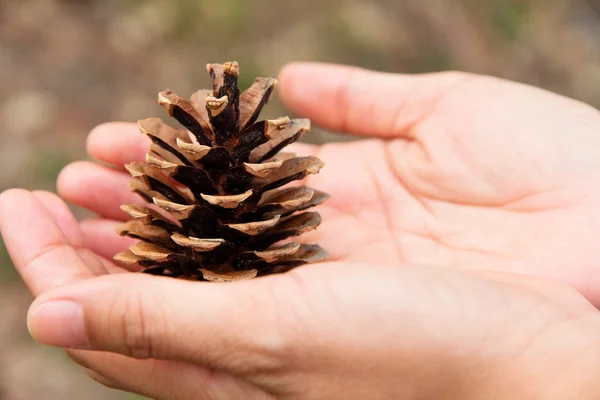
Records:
x=363, y=102
x=117, y=143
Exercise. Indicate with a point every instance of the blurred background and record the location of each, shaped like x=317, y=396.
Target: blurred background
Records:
x=67, y=65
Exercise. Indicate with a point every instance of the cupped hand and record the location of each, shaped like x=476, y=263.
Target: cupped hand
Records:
x=473, y=173
x=462, y=170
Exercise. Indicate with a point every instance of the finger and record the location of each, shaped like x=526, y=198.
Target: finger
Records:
x=161, y=379
x=99, y=189
x=102, y=238
x=63, y=217
x=66, y=222
x=117, y=143
x=98, y=263
x=39, y=249
x=362, y=102
x=235, y=327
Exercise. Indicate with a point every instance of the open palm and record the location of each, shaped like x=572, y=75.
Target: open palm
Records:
x=468, y=172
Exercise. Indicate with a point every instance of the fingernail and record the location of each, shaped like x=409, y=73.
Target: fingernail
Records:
x=58, y=323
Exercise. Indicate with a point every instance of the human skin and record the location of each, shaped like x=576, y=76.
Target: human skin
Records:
x=463, y=257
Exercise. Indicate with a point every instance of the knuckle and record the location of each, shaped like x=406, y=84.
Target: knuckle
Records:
x=275, y=346
x=134, y=320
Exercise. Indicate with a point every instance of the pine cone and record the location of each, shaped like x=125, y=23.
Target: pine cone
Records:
x=219, y=214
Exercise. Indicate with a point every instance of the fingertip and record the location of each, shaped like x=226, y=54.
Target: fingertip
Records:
x=290, y=71
x=300, y=81
x=116, y=143
x=67, y=183
x=12, y=196
x=59, y=323
x=96, y=138
x=320, y=92
x=10, y=201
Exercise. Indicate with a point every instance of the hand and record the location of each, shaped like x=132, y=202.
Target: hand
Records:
x=472, y=172
x=93, y=187
x=334, y=331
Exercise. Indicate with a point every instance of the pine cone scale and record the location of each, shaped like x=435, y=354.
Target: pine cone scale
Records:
x=187, y=115
x=254, y=99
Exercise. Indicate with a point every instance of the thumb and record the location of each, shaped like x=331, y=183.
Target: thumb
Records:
x=362, y=102
x=233, y=327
